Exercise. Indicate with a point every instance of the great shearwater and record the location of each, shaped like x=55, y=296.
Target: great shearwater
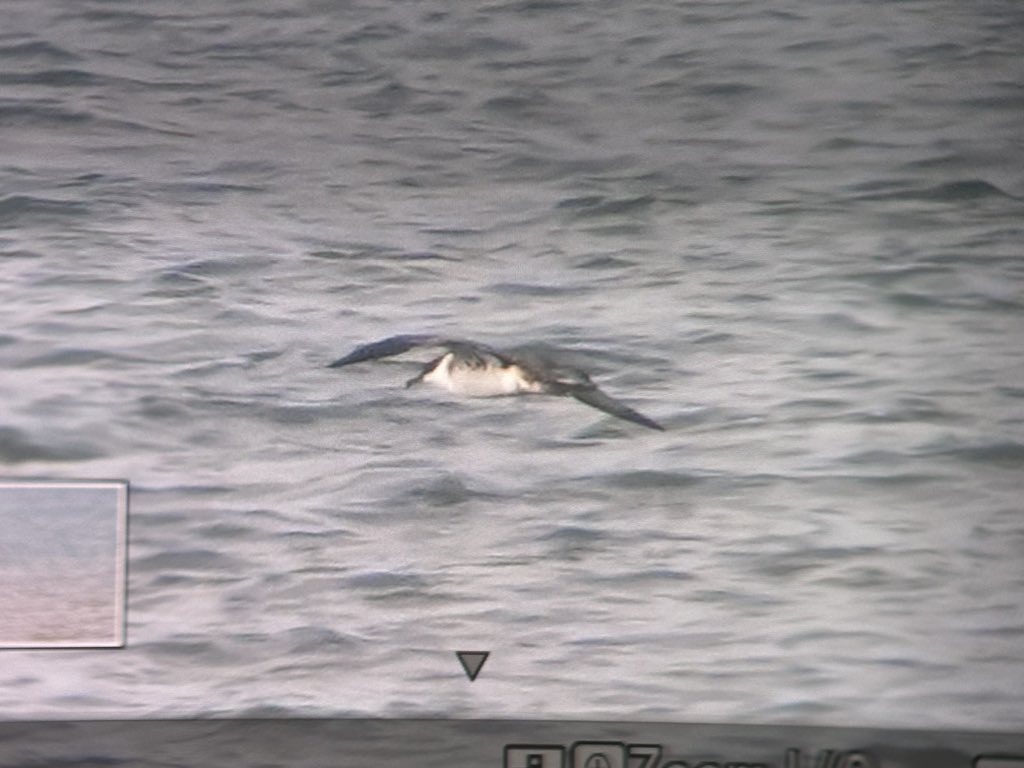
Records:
x=477, y=370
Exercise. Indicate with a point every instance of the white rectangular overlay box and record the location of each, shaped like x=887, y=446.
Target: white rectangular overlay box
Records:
x=63, y=552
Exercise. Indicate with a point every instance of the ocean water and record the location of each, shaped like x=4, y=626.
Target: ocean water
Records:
x=792, y=233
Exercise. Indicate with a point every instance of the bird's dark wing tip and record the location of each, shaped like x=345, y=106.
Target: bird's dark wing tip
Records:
x=639, y=418
x=393, y=345
x=595, y=398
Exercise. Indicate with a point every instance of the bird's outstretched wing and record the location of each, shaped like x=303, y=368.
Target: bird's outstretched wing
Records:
x=560, y=379
x=595, y=398
x=396, y=345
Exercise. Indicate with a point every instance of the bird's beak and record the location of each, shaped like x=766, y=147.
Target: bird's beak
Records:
x=414, y=380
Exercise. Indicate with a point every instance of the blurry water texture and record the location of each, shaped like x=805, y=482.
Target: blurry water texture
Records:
x=791, y=232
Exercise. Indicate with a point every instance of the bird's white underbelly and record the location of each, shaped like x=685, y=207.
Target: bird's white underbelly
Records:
x=481, y=382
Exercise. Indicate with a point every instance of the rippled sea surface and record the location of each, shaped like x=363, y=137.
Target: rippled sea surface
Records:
x=791, y=232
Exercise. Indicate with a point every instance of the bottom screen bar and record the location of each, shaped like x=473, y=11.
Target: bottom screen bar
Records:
x=491, y=744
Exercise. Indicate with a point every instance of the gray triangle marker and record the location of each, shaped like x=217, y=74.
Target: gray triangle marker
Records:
x=472, y=662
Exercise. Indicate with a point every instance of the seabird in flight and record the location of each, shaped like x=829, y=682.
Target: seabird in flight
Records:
x=477, y=370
